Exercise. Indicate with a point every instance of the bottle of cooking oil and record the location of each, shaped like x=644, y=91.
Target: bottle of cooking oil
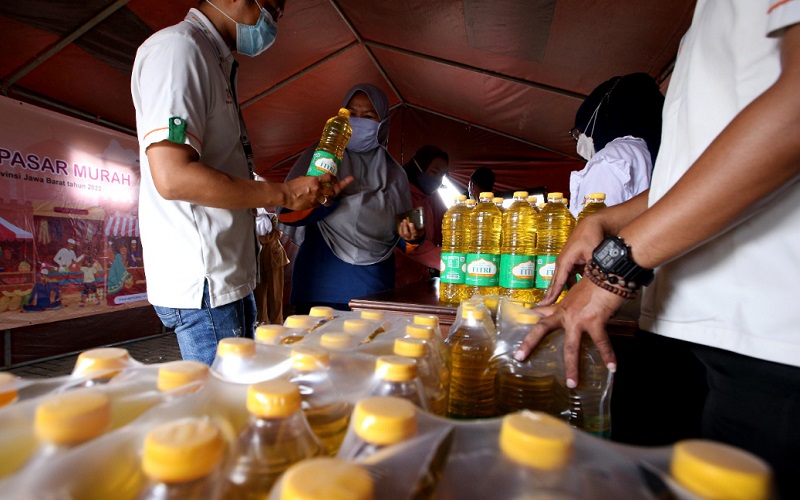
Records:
x=398, y=376
x=433, y=386
x=235, y=357
x=176, y=375
x=298, y=325
x=8, y=389
x=433, y=336
x=533, y=202
x=378, y=422
x=472, y=369
x=555, y=224
x=498, y=202
x=337, y=341
x=276, y=437
x=99, y=366
x=270, y=334
x=455, y=235
x=715, y=470
x=326, y=479
x=518, y=249
x=181, y=459
x=328, y=156
x=326, y=412
x=483, y=259
x=596, y=202
x=529, y=384
x=588, y=406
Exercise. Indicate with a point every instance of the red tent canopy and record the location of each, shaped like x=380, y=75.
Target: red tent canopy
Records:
x=10, y=232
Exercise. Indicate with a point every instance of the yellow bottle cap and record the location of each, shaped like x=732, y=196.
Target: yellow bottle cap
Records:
x=336, y=341
x=555, y=195
x=356, y=325
x=474, y=314
x=344, y=112
x=182, y=451
x=460, y=197
x=106, y=359
x=384, y=420
x=522, y=195
x=8, y=389
x=396, y=368
x=565, y=201
x=410, y=348
x=177, y=374
x=597, y=196
x=301, y=321
x=306, y=359
x=420, y=332
x=497, y=200
x=486, y=195
x=73, y=417
x=470, y=202
x=326, y=479
x=273, y=399
x=491, y=302
x=426, y=320
x=373, y=315
x=536, y=440
x=526, y=318
x=716, y=470
x=321, y=312
x=269, y=334
x=236, y=347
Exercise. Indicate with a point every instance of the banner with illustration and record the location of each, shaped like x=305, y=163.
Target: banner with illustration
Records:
x=69, y=231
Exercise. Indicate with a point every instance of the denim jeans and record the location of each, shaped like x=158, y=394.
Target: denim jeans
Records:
x=199, y=330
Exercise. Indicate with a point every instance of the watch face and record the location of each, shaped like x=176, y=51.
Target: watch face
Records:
x=608, y=254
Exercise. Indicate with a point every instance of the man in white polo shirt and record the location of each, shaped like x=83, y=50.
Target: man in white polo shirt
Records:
x=721, y=227
x=197, y=195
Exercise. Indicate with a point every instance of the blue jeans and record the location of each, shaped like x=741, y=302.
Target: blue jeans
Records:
x=199, y=330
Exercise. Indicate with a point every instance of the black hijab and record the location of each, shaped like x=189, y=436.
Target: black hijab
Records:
x=629, y=105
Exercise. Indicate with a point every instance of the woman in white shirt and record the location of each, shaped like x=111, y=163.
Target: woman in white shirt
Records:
x=621, y=121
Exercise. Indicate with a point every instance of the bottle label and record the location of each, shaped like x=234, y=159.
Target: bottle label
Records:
x=482, y=269
x=323, y=163
x=453, y=268
x=517, y=271
x=545, y=269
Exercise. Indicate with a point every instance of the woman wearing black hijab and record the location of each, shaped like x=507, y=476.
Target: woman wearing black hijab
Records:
x=618, y=129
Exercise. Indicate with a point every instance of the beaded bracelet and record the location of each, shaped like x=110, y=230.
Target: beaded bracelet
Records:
x=609, y=282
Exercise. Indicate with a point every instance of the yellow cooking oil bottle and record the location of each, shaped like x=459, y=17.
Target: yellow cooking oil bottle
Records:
x=398, y=376
x=498, y=202
x=518, y=249
x=325, y=479
x=276, y=437
x=435, y=337
x=554, y=226
x=99, y=366
x=438, y=351
x=596, y=202
x=483, y=257
x=434, y=386
x=472, y=368
x=326, y=412
x=328, y=156
x=455, y=235
x=378, y=422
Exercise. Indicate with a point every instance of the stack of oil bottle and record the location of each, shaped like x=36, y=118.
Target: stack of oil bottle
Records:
x=487, y=250
x=347, y=405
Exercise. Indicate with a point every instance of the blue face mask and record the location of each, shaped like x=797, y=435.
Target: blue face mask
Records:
x=252, y=40
x=365, y=135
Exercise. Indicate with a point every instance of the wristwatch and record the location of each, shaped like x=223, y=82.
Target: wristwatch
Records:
x=613, y=257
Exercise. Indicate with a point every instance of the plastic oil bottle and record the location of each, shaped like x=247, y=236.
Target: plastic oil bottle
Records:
x=378, y=422
x=326, y=412
x=398, y=376
x=8, y=390
x=276, y=437
x=270, y=334
x=455, y=235
x=518, y=249
x=588, y=406
x=530, y=384
x=181, y=459
x=177, y=375
x=438, y=350
x=595, y=203
x=555, y=224
x=435, y=337
x=483, y=259
x=325, y=479
x=435, y=389
x=328, y=156
x=498, y=202
x=472, y=369
x=298, y=325
x=99, y=366
x=235, y=357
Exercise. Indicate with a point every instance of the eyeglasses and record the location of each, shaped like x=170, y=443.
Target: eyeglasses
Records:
x=575, y=133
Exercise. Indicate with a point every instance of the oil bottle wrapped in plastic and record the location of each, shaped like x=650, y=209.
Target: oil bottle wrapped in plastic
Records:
x=472, y=366
x=435, y=384
x=398, y=376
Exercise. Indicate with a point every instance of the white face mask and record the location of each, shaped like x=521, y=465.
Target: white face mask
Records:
x=585, y=146
x=252, y=40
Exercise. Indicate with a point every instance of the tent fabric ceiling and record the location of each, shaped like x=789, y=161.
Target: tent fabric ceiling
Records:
x=494, y=82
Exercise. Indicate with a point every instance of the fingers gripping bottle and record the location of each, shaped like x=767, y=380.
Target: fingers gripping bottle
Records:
x=483, y=259
x=328, y=156
x=596, y=202
x=455, y=235
x=277, y=436
x=553, y=229
x=472, y=369
x=518, y=249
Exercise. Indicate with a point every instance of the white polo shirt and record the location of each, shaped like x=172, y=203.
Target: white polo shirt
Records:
x=182, y=92
x=737, y=292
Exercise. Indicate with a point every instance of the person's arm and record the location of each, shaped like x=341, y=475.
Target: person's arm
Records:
x=179, y=175
x=755, y=156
